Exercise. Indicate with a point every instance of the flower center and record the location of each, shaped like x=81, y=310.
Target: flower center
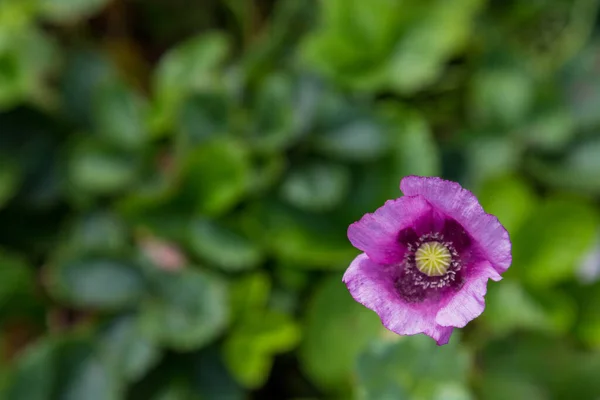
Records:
x=433, y=258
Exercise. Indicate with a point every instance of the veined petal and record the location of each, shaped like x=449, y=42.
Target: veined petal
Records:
x=461, y=205
x=377, y=234
x=469, y=302
x=373, y=285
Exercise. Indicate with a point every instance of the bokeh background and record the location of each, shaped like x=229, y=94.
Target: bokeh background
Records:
x=177, y=178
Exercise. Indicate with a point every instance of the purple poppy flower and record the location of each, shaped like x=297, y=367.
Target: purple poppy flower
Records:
x=427, y=258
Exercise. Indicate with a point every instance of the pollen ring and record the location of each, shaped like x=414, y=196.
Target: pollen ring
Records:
x=433, y=258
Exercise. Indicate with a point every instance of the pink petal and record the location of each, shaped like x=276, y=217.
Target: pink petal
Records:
x=469, y=302
x=372, y=285
x=461, y=205
x=377, y=234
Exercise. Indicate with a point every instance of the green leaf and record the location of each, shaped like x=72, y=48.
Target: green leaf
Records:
x=588, y=327
x=305, y=240
x=250, y=348
x=267, y=170
x=581, y=87
x=337, y=329
x=415, y=150
x=212, y=379
x=187, y=311
x=388, y=44
x=501, y=96
x=317, y=186
x=96, y=169
x=273, y=114
x=17, y=279
x=508, y=198
x=103, y=283
x=191, y=67
x=64, y=368
x=414, y=367
x=437, y=32
x=26, y=57
x=569, y=373
x=550, y=243
x=249, y=294
x=217, y=174
x=96, y=233
x=357, y=139
x=35, y=365
x=66, y=10
x=493, y=157
x=119, y=115
x=10, y=179
x=222, y=246
x=510, y=307
x=203, y=117
x=577, y=171
x=124, y=350
x=84, y=75
x=549, y=130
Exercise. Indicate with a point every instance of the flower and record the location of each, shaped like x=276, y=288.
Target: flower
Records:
x=427, y=258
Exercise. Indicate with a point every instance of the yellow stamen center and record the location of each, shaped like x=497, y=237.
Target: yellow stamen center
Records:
x=433, y=258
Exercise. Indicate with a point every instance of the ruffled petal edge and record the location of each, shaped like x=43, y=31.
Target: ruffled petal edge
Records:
x=462, y=205
x=372, y=285
x=377, y=233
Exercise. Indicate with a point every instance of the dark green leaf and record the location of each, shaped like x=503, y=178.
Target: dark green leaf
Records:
x=222, y=246
x=103, y=283
x=187, y=311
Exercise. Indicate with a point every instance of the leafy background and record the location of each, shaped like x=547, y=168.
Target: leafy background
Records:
x=177, y=177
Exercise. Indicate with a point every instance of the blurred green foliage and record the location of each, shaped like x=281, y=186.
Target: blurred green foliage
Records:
x=177, y=178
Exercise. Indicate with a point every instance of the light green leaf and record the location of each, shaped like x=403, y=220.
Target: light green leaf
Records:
x=26, y=58
x=415, y=150
x=437, y=32
x=508, y=198
x=66, y=10
x=250, y=348
x=337, y=329
x=249, y=294
x=552, y=240
x=217, y=174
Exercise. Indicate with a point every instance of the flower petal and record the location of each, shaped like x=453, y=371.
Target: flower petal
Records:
x=469, y=302
x=377, y=234
x=462, y=205
x=373, y=285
